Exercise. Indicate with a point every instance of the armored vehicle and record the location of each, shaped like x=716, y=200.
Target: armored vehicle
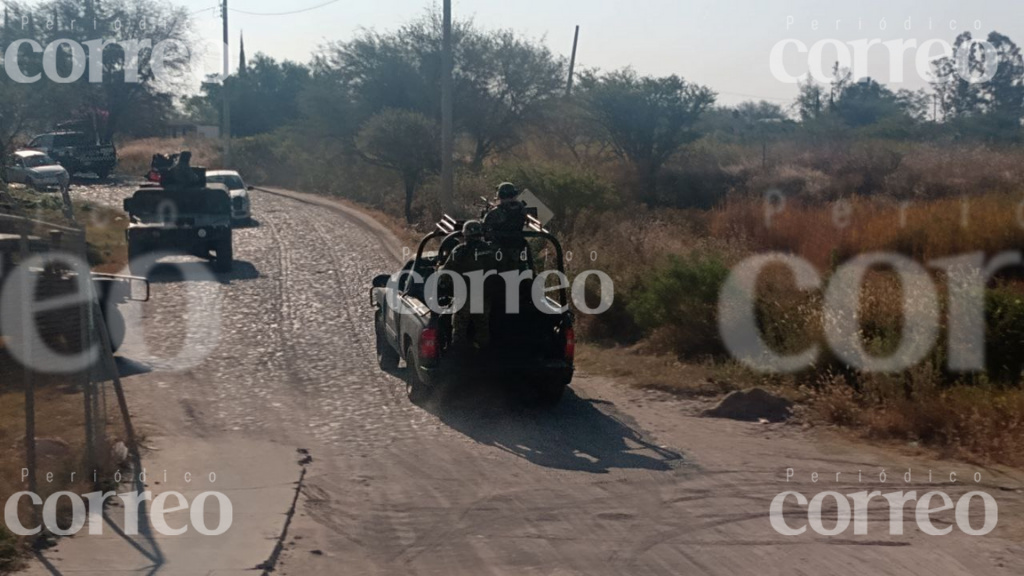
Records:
x=181, y=213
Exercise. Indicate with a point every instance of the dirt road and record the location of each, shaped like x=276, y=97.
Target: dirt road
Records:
x=613, y=481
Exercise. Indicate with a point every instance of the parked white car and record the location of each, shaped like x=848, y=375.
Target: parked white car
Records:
x=36, y=170
x=241, y=211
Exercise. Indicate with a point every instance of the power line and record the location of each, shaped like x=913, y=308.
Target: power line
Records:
x=284, y=13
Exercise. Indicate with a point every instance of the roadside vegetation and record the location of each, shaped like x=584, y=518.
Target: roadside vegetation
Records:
x=104, y=225
x=60, y=434
x=669, y=190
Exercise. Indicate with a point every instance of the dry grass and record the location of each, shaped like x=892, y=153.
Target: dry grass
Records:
x=59, y=403
x=834, y=232
x=660, y=372
x=134, y=157
x=104, y=226
x=60, y=421
x=105, y=235
x=974, y=421
x=903, y=197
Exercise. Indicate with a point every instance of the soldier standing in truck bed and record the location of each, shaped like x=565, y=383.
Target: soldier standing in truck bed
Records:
x=472, y=254
x=505, y=223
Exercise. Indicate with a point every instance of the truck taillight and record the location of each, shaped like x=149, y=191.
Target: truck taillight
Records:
x=428, y=344
x=570, y=344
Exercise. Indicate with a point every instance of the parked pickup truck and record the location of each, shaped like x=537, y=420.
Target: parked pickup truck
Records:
x=78, y=152
x=534, y=348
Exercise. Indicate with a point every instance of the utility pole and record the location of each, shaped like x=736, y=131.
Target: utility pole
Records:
x=447, y=138
x=572, y=62
x=225, y=117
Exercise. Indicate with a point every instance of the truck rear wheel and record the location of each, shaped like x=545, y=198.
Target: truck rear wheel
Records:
x=417, y=390
x=387, y=357
x=549, y=392
x=225, y=255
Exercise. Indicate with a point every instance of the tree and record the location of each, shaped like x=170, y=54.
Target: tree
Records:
x=812, y=101
x=645, y=119
x=747, y=121
x=501, y=82
x=510, y=88
x=865, y=102
x=566, y=122
x=863, y=105
x=132, y=86
x=991, y=109
x=958, y=96
x=263, y=97
x=377, y=71
x=403, y=141
x=27, y=107
x=1004, y=93
x=762, y=122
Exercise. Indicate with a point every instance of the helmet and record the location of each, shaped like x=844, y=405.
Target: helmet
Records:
x=473, y=229
x=507, y=191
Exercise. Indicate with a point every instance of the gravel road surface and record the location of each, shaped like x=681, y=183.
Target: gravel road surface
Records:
x=613, y=481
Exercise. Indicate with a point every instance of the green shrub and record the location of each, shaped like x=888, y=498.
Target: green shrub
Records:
x=565, y=190
x=678, y=303
x=694, y=185
x=1004, y=316
x=266, y=159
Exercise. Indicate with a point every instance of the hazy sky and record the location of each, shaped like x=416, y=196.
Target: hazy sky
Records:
x=725, y=45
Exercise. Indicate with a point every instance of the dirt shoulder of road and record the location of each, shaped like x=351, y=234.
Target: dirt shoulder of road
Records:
x=617, y=479
x=700, y=384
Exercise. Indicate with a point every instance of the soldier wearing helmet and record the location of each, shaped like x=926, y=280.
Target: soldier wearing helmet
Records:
x=472, y=254
x=505, y=223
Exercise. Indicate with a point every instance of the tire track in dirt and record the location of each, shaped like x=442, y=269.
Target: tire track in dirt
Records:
x=326, y=262
x=396, y=489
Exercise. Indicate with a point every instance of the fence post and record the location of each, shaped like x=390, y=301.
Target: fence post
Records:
x=30, y=392
x=92, y=424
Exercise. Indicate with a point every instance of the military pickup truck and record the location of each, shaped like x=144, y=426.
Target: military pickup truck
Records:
x=532, y=349
x=181, y=215
x=78, y=151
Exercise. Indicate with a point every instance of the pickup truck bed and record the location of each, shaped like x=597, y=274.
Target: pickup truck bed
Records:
x=532, y=350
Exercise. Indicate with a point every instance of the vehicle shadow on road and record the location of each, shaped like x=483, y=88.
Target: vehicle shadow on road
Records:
x=576, y=435
x=170, y=273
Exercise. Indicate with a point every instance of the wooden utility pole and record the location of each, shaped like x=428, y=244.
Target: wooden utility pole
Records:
x=447, y=137
x=572, y=61
x=225, y=117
